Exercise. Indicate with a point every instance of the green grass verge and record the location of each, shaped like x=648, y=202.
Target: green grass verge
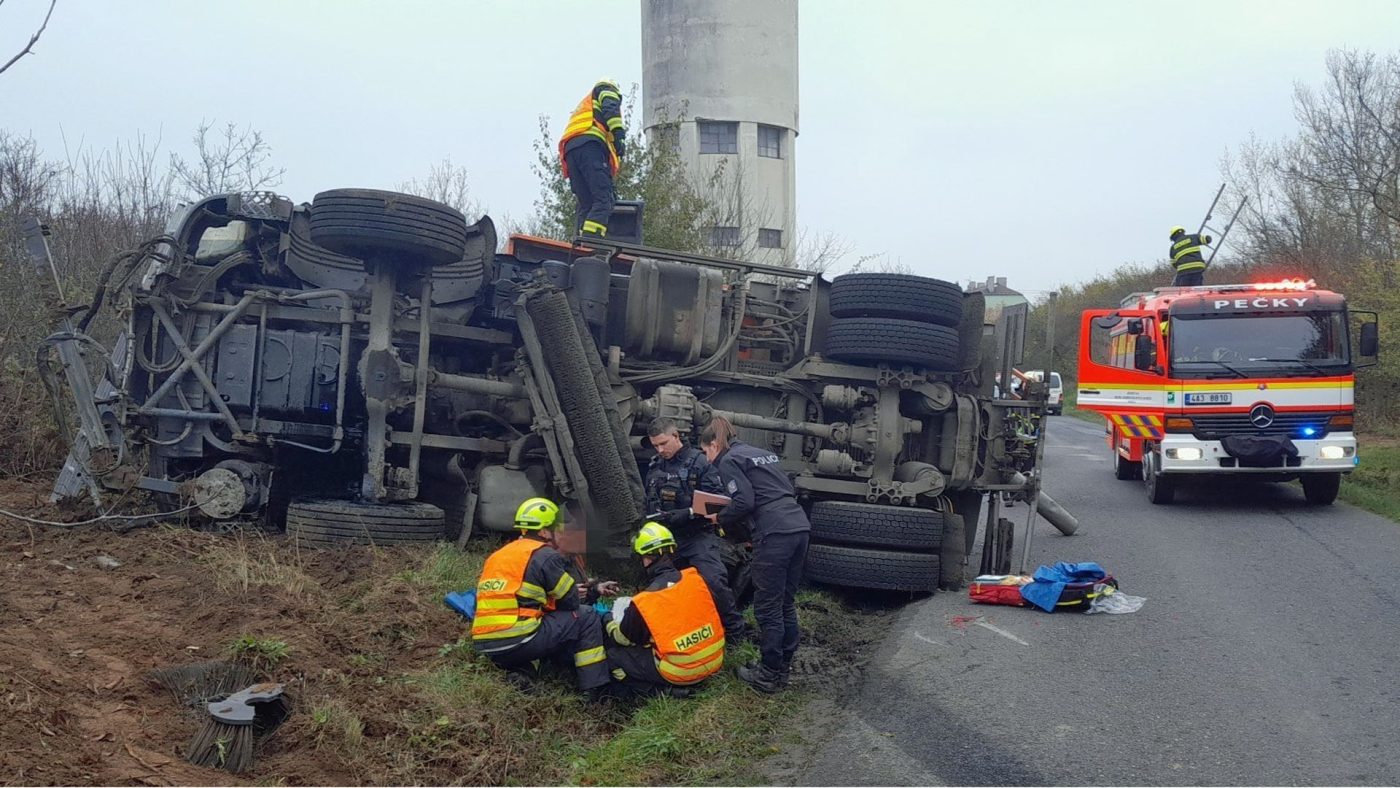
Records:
x=459, y=710
x=1375, y=484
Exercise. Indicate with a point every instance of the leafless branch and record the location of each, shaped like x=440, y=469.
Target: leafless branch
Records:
x=34, y=39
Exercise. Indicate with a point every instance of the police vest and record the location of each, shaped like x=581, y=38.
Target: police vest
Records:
x=673, y=490
x=1186, y=253
x=686, y=634
x=585, y=121
x=499, y=613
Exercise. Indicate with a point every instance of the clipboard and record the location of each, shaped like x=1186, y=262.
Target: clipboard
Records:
x=707, y=504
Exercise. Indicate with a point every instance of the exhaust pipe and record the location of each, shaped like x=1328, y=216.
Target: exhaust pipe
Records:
x=1053, y=513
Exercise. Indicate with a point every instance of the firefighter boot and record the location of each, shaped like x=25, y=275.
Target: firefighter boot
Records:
x=761, y=677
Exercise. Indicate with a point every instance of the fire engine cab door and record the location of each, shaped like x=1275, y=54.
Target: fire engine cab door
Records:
x=1121, y=370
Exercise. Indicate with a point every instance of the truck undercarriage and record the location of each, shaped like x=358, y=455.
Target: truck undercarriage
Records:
x=369, y=368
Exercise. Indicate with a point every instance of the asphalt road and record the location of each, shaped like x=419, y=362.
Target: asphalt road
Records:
x=1265, y=654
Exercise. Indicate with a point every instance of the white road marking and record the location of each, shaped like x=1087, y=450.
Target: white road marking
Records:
x=929, y=641
x=979, y=622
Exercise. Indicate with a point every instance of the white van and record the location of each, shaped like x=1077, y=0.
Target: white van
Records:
x=1055, y=401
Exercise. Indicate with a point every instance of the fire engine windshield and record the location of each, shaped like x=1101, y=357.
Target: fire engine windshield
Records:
x=1310, y=343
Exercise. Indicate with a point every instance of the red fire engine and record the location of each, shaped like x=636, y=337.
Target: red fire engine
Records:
x=1250, y=380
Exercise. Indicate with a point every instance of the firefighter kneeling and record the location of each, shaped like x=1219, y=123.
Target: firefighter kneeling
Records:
x=670, y=636
x=527, y=606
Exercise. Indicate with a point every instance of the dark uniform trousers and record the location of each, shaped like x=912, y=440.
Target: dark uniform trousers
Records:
x=635, y=666
x=777, y=570
x=700, y=549
x=564, y=632
x=591, y=181
x=1188, y=279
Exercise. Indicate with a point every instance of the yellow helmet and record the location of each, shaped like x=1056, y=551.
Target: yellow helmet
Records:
x=653, y=538
x=1174, y=231
x=536, y=514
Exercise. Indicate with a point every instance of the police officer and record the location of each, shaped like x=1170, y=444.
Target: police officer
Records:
x=1186, y=257
x=527, y=605
x=669, y=637
x=762, y=492
x=590, y=151
x=673, y=476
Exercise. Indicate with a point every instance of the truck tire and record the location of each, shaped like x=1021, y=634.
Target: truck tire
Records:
x=1125, y=470
x=368, y=223
x=900, y=296
x=881, y=570
x=322, y=522
x=873, y=525
x=610, y=481
x=1321, y=488
x=868, y=340
x=1161, y=489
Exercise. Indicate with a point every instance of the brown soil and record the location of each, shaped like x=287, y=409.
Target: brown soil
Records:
x=76, y=641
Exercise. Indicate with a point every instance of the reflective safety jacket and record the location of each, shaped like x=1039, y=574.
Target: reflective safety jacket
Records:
x=1186, y=252
x=687, y=636
x=597, y=116
x=519, y=584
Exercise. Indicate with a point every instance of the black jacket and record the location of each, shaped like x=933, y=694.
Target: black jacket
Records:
x=632, y=630
x=607, y=110
x=670, y=485
x=761, y=491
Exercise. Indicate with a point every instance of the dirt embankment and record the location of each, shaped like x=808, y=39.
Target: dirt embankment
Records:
x=76, y=641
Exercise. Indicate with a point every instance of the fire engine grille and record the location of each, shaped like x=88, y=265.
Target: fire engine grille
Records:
x=1295, y=425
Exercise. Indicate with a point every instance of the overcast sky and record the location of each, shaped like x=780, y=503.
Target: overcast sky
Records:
x=1042, y=141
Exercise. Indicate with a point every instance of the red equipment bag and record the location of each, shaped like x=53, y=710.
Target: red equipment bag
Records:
x=998, y=589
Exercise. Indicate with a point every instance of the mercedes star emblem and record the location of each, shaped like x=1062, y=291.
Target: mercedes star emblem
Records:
x=1261, y=416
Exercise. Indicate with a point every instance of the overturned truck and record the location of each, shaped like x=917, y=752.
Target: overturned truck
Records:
x=369, y=368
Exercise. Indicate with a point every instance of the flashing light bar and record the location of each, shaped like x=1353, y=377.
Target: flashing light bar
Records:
x=1287, y=284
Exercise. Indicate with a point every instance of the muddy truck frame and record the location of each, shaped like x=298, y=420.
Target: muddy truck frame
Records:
x=369, y=368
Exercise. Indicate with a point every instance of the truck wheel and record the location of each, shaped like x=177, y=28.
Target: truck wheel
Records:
x=898, y=296
x=322, y=522
x=1125, y=470
x=882, y=570
x=873, y=525
x=611, y=483
x=368, y=223
x=869, y=340
x=1321, y=488
x=1161, y=489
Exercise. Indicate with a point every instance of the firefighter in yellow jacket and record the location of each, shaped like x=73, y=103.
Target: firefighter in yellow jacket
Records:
x=527, y=604
x=670, y=636
x=1187, y=260
x=593, y=145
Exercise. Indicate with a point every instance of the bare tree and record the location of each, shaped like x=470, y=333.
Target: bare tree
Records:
x=231, y=160
x=1351, y=129
x=34, y=39
x=447, y=183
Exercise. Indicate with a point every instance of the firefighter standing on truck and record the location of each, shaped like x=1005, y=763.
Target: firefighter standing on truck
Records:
x=527, y=605
x=670, y=636
x=593, y=145
x=1186, y=257
x=761, y=492
x=672, y=478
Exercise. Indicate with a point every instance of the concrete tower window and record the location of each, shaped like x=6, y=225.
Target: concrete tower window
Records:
x=770, y=141
x=718, y=137
x=724, y=236
x=770, y=239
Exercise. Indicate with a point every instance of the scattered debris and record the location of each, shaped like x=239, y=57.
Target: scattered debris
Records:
x=106, y=562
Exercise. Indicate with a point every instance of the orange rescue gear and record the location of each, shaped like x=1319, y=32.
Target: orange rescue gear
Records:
x=585, y=121
x=499, y=613
x=686, y=633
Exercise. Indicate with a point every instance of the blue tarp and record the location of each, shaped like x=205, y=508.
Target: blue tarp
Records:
x=464, y=602
x=1049, y=582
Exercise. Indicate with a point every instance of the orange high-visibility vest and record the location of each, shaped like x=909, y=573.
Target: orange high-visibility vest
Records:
x=585, y=121
x=499, y=614
x=686, y=634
